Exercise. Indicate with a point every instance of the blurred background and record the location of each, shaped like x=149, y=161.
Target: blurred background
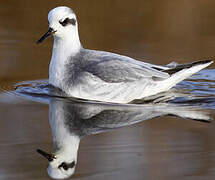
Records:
x=149, y=30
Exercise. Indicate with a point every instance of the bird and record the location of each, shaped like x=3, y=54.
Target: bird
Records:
x=71, y=121
x=105, y=76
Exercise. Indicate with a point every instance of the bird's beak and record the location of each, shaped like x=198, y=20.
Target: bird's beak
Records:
x=47, y=34
x=48, y=156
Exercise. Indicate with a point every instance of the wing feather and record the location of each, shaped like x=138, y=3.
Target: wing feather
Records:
x=115, y=68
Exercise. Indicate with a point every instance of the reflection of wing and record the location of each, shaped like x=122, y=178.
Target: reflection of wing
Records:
x=84, y=119
x=114, y=68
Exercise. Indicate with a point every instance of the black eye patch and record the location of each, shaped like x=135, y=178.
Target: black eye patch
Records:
x=68, y=21
x=66, y=166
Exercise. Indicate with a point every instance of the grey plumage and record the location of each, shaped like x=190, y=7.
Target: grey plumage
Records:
x=109, y=67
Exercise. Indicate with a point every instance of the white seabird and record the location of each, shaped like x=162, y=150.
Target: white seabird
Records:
x=104, y=76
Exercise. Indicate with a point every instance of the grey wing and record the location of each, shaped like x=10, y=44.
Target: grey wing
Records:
x=115, y=69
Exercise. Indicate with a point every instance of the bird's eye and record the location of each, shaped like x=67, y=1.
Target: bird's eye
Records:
x=63, y=165
x=67, y=21
x=66, y=166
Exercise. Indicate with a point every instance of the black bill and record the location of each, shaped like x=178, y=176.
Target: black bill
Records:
x=47, y=34
x=48, y=156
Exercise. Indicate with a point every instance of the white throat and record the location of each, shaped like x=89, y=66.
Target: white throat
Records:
x=63, y=49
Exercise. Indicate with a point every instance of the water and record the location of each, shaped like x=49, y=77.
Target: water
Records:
x=155, y=140
x=125, y=145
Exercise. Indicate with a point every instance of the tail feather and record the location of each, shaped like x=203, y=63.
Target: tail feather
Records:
x=181, y=72
x=180, y=67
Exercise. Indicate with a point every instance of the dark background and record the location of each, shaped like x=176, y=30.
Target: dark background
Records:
x=150, y=30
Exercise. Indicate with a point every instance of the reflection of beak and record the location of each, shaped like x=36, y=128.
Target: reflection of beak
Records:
x=47, y=34
x=48, y=156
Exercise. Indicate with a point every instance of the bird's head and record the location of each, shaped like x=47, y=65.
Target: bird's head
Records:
x=62, y=23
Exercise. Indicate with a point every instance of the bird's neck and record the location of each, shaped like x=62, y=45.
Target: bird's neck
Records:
x=66, y=46
x=63, y=50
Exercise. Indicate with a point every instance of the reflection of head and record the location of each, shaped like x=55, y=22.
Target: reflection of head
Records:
x=61, y=169
x=62, y=165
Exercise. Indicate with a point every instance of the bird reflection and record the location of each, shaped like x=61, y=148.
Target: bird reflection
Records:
x=71, y=121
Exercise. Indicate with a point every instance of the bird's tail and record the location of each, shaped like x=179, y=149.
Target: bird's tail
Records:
x=183, y=71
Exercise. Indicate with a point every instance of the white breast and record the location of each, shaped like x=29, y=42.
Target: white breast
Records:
x=61, y=54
